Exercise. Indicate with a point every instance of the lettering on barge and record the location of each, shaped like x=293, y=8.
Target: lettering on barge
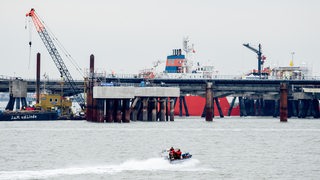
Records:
x=23, y=117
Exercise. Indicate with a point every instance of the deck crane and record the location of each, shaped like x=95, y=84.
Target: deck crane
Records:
x=260, y=57
x=64, y=72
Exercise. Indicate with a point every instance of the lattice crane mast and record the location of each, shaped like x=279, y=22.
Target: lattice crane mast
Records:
x=64, y=72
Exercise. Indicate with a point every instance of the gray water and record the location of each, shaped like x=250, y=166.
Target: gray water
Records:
x=227, y=148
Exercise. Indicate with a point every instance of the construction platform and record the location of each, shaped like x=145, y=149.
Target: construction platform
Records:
x=103, y=92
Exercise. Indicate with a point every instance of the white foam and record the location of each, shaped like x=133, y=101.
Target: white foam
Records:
x=152, y=164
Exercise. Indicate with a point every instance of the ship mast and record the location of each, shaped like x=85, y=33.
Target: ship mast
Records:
x=187, y=66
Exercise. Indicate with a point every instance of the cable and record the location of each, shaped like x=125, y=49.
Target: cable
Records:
x=28, y=24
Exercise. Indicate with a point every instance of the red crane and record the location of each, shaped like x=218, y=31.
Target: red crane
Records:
x=64, y=72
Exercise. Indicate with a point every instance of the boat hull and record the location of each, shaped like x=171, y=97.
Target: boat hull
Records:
x=176, y=161
x=196, y=106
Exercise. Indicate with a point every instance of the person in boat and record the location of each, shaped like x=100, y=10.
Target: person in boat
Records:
x=177, y=154
x=171, y=153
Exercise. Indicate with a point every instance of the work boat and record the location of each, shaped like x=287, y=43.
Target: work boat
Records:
x=184, y=157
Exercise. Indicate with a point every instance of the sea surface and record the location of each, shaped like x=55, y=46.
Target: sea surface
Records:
x=227, y=148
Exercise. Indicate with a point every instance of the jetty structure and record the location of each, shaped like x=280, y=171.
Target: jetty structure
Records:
x=107, y=102
x=120, y=98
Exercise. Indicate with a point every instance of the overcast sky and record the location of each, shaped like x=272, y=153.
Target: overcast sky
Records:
x=129, y=35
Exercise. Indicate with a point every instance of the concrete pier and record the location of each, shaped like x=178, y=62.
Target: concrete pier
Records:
x=17, y=95
x=300, y=92
x=148, y=103
x=256, y=98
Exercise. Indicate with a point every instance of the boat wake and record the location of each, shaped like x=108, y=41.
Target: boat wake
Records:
x=152, y=164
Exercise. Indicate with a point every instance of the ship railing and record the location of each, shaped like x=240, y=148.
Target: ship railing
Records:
x=295, y=78
x=174, y=75
x=122, y=76
x=128, y=76
x=197, y=76
x=4, y=77
x=301, y=88
x=147, y=84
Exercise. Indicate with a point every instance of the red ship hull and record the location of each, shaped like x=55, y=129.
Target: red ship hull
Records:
x=196, y=105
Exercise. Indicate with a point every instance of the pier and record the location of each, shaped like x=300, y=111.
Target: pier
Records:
x=122, y=104
x=109, y=103
x=256, y=97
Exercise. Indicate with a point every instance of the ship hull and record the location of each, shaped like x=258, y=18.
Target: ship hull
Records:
x=28, y=116
x=196, y=104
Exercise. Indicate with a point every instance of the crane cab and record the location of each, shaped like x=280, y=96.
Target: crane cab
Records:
x=55, y=102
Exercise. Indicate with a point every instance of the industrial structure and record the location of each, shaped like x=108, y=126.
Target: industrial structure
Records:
x=151, y=97
x=56, y=57
x=107, y=102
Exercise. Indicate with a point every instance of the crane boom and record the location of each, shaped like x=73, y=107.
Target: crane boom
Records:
x=259, y=53
x=57, y=59
x=253, y=49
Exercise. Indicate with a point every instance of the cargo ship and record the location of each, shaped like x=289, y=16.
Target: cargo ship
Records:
x=181, y=65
